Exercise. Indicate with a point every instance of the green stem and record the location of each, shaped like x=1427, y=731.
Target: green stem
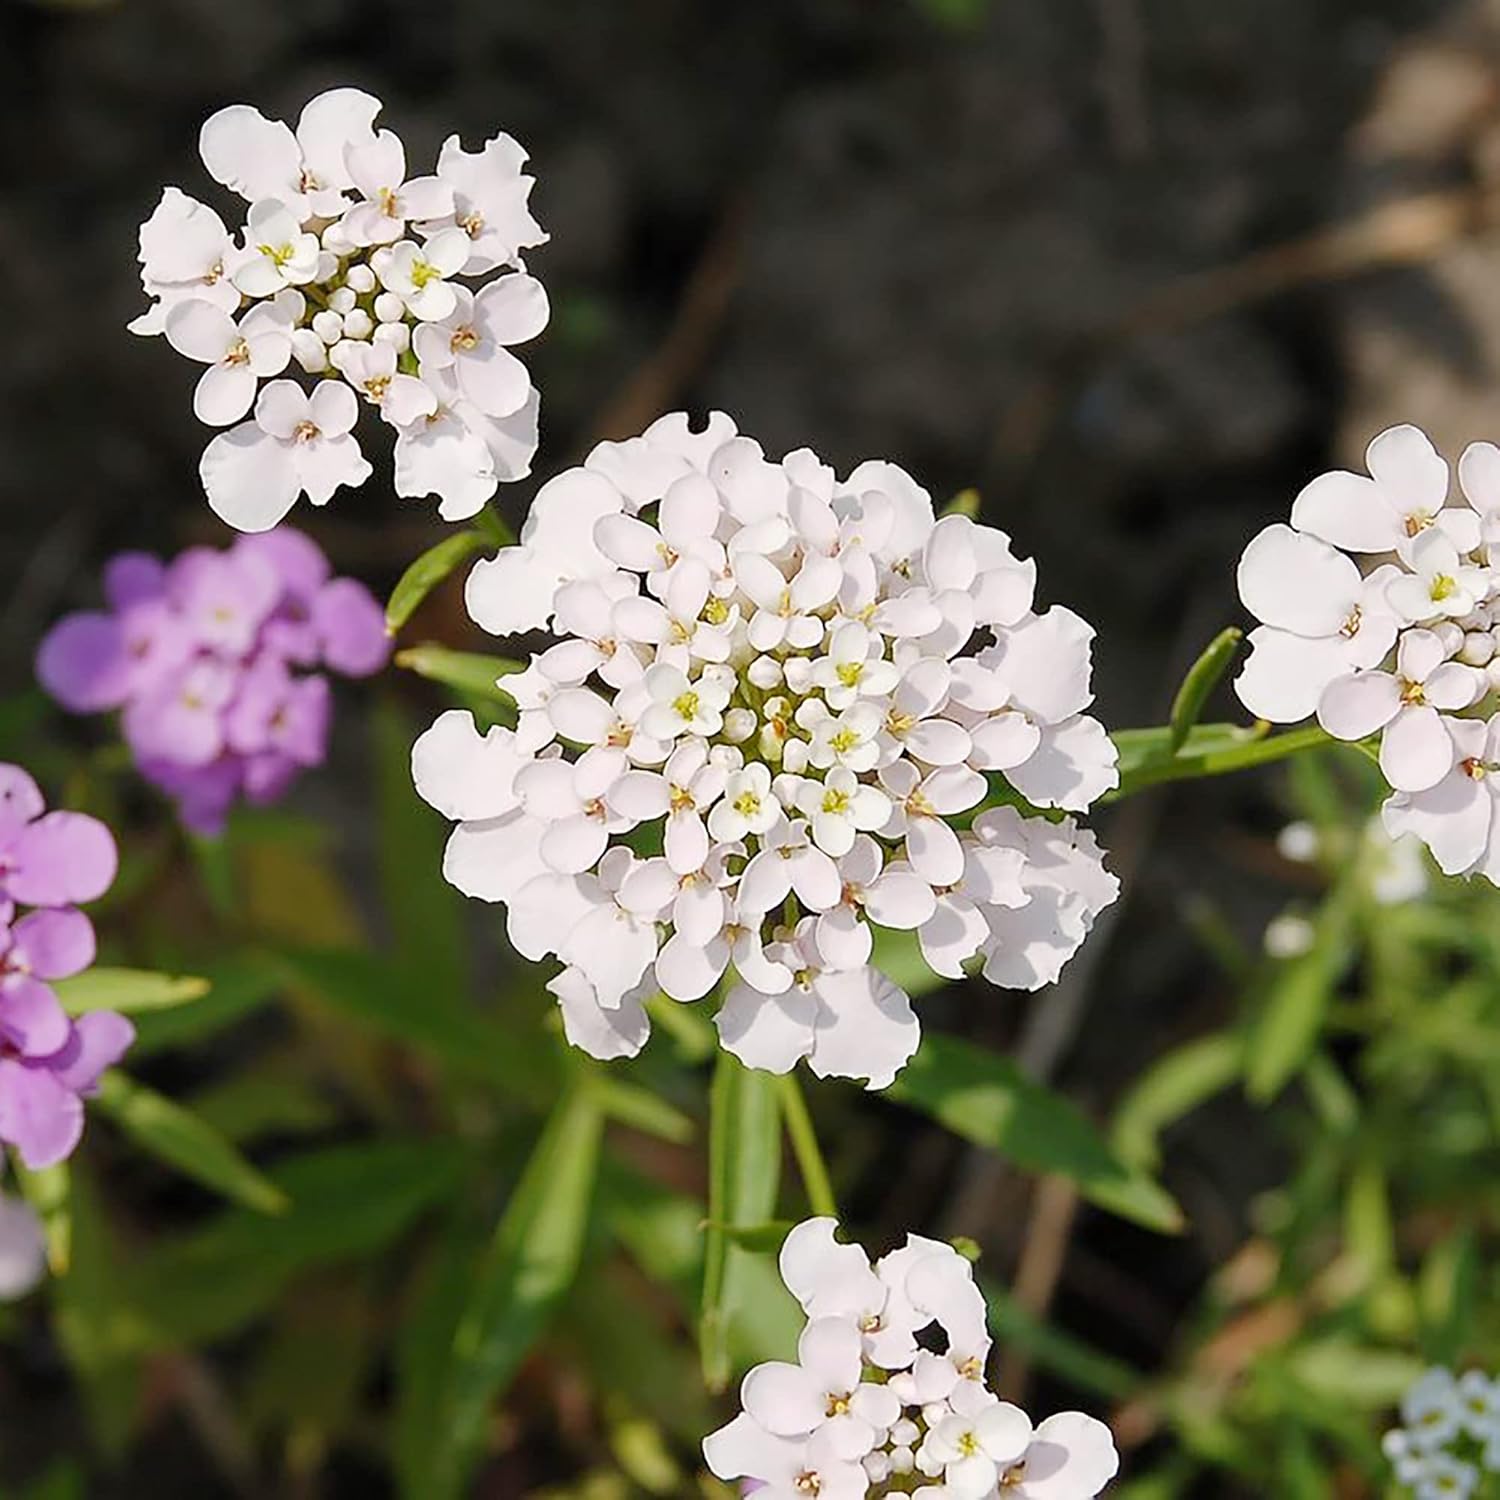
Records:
x=810, y=1163
x=1193, y=767
x=491, y=525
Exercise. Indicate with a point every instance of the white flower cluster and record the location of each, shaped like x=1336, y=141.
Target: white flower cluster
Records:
x=868, y=1410
x=772, y=694
x=1449, y=1437
x=350, y=270
x=1407, y=650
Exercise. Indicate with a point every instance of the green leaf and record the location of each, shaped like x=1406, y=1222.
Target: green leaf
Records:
x=986, y=1099
x=1210, y=755
x=744, y=1172
x=527, y=1272
x=1290, y=1020
x=1172, y=1087
x=368, y=989
x=1448, y=1288
x=1202, y=678
x=493, y=527
x=762, y=1239
x=425, y=913
x=470, y=673
x=184, y=1141
x=129, y=991
x=429, y=570
x=50, y=1191
x=641, y=1109
x=237, y=986
x=346, y=1203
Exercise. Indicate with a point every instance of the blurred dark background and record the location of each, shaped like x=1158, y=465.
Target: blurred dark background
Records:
x=1133, y=268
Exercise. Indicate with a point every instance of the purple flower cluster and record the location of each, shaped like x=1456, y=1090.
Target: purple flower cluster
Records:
x=49, y=862
x=212, y=659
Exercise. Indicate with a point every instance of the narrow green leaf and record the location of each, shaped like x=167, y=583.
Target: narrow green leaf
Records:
x=744, y=1172
x=1448, y=1288
x=1202, y=678
x=1172, y=1087
x=493, y=527
x=964, y=503
x=986, y=1099
x=237, y=987
x=50, y=1192
x=469, y=672
x=1291, y=1016
x=129, y=991
x=643, y=1110
x=429, y=570
x=1142, y=747
x=425, y=913
x=530, y=1266
x=184, y=1141
x=1215, y=758
x=368, y=989
x=762, y=1239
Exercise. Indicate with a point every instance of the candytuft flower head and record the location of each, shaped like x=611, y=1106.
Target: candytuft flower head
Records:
x=1449, y=1437
x=212, y=661
x=777, y=711
x=350, y=272
x=50, y=863
x=1403, y=650
x=867, y=1409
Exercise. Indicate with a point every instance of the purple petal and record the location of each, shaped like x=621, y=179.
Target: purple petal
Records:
x=83, y=663
x=223, y=597
x=183, y=720
x=32, y=1020
x=296, y=560
x=62, y=859
x=351, y=627
x=133, y=577
x=268, y=777
x=20, y=801
x=53, y=944
x=39, y=1116
x=263, y=690
x=204, y=794
x=100, y=1039
x=299, y=729
x=157, y=644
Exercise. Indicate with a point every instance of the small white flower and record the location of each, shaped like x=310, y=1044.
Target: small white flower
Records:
x=238, y=356
x=296, y=444
x=473, y=341
x=1440, y=585
x=372, y=370
x=279, y=252
x=489, y=202
x=839, y=807
x=748, y=806
x=186, y=253
x=417, y=274
x=377, y=168
x=680, y=707
x=1416, y=750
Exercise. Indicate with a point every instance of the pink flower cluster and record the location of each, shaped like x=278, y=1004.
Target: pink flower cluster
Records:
x=49, y=862
x=213, y=660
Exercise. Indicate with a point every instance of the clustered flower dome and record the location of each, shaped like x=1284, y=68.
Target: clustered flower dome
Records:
x=1449, y=1437
x=50, y=863
x=777, y=710
x=354, y=273
x=1405, y=650
x=868, y=1409
x=214, y=662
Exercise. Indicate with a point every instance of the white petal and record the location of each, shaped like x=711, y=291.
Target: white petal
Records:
x=574, y=844
x=952, y=935
x=200, y=330
x=865, y=1028
x=1296, y=582
x=466, y=776
x=1001, y=741
x=934, y=852
x=1346, y=510
x=784, y=1398
x=249, y=477
x=900, y=899
x=512, y=592
x=1358, y=704
x=224, y=394
x=1416, y=750
x=687, y=970
x=844, y=939
x=603, y=1033
x=251, y=155
x=1071, y=1457
x=1407, y=467
x=492, y=860
x=1285, y=675
x=767, y=1031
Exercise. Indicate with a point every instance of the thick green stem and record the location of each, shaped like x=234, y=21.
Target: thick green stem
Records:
x=492, y=526
x=1193, y=766
x=799, y=1128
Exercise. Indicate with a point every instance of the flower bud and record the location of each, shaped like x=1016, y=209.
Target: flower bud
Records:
x=1477, y=649
x=358, y=324
x=342, y=300
x=1492, y=671
x=739, y=725
x=765, y=673
x=309, y=351
x=902, y=1460
x=905, y=1433
x=1450, y=635
x=794, y=756
x=877, y=1466
x=328, y=266
x=328, y=326
x=397, y=335
x=389, y=308
x=1289, y=936
x=1298, y=842
x=361, y=278
x=337, y=243
x=1476, y=619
